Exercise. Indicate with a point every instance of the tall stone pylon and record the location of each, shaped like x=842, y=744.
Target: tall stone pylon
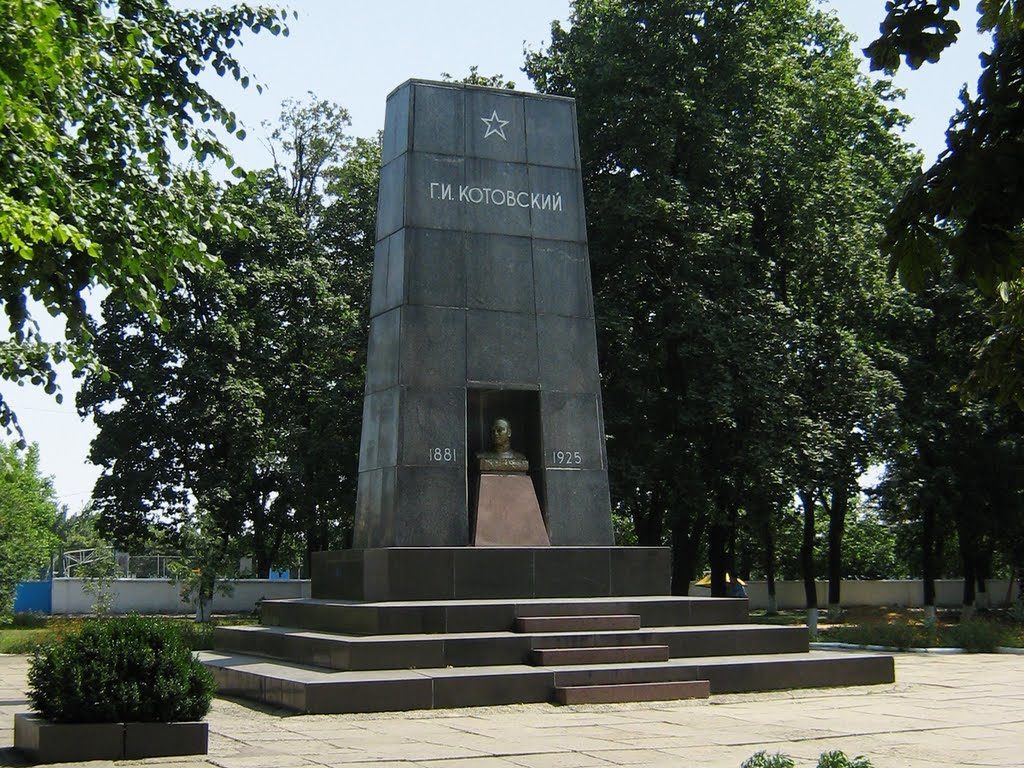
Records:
x=481, y=308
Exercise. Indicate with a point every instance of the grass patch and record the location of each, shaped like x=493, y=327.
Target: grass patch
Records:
x=981, y=634
x=29, y=631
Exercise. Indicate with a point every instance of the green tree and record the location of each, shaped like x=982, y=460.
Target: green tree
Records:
x=28, y=518
x=248, y=405
x=91, y=94
x=733, y=214
x=970, y=203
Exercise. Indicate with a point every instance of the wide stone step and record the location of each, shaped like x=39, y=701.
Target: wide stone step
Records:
x=610, y=694
x=599, y=623
x=361, y=652
x=621, y=654
x=310, y=689
x=431, y=616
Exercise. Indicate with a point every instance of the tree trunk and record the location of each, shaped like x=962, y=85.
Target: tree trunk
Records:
x=769, y=565
x=928, y=560
x=687, y=527
x=718, y=558
x=836, y=526
x=968, y=602
x=807, y=560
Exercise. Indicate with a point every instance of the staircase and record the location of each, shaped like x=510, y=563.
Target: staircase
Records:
x=335, y=656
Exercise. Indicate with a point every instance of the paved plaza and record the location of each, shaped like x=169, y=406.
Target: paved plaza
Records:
x=963, y=710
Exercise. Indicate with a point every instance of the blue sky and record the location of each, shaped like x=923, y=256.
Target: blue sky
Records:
x=354, y=53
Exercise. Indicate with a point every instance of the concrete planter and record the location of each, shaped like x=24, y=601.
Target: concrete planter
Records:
x=44, y=741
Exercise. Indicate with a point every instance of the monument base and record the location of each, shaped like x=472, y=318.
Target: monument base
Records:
x=507, y=513
x=467, y=573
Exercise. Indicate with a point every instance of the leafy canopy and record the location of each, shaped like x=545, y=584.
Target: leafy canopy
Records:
x=91, y=92
x=28, y=519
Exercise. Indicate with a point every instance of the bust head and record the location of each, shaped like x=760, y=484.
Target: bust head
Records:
x=501, y=436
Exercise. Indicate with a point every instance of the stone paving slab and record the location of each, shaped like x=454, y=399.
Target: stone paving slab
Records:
x=965, y=710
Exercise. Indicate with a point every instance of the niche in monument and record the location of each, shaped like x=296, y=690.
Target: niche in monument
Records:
x=481, y=309
x=505, y=496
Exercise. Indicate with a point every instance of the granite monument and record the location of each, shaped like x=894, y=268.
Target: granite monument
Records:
x=481, y=309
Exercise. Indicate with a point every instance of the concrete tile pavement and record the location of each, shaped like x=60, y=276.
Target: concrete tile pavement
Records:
x=965, y=710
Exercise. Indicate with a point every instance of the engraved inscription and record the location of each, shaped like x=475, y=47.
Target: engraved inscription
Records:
x=567, y=458
x=509, y=198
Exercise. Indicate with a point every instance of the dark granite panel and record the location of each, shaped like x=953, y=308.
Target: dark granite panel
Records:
x=433, y=346
x=487, y=207
x=433, y=427
x=502, y=117
x=499, y=572
x=433, y=193
x=369, y=696
x=143, y=740
x=641, y=571
x=368, y=523
x=369, y=457
x=387, y=416
x=572, y=436
x=567, y=354
x=396, y=124
x=430, y=508
x=382, y=352
x=404, y=654
x=562, y=274
x=550, y=133
x=418, y=619
x=391, y=197
x=571, y=572
x=388, y=511
x=379, y=284
x=564, y=218
x=499, y=273
x=420, y=573
x=488, y=651
x=438, y=119
x=483, y=617
x=435, y=271
x=491, y=689
x=501, y=347
x=578, y=507
x=395, y=286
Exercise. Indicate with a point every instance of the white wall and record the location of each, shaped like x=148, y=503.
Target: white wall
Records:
x=909, y=593
x=161, y=596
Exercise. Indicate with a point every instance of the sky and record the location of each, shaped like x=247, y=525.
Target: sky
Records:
x=355, y=52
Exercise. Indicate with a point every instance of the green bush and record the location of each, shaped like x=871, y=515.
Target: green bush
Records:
x=764, y=760
x=119, y=670
x=978, y=635
x=826, y=760
x=839, y=760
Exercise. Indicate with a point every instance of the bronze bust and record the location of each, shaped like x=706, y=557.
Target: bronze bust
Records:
x=501, y=457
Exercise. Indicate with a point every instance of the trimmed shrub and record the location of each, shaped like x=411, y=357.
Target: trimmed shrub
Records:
x=119, y=670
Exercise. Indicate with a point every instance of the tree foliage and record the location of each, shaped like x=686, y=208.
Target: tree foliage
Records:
x=970, y=203
x=247, y=403
x=91, y=94
x=733, y=212
x=28, y=518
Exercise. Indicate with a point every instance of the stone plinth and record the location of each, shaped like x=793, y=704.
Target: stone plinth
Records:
x=507, y=513
x=462, y=573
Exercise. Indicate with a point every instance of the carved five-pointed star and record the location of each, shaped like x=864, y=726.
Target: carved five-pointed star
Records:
x=495, y=125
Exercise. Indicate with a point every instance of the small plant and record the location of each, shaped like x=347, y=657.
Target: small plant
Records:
x=978, y=635
x=764, y=760
x=840, y=760
x=825, y=760
x=119, y=670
